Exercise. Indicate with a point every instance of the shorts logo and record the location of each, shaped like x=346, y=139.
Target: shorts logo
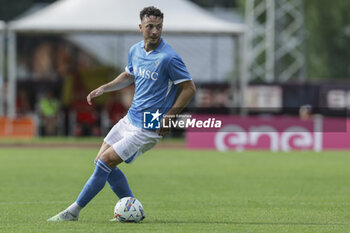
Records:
x=151, y=120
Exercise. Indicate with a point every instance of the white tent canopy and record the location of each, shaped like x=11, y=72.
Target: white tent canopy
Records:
x=112, y=16
x=181, y=16
x=2, y=25
x=2, y=51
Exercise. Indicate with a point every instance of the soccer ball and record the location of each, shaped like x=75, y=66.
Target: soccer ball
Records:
x=129, y=209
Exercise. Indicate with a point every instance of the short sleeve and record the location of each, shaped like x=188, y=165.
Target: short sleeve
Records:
x=177, y=70
x=129, y=68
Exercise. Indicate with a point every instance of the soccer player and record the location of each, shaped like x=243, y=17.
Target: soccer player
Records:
x=157, y=72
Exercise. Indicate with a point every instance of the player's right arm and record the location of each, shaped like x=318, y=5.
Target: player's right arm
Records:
x=123, y=80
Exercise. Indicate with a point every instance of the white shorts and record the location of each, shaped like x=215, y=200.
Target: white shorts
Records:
x=129, y=142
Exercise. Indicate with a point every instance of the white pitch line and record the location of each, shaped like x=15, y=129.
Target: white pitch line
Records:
x=42, y=202
x=30, y=202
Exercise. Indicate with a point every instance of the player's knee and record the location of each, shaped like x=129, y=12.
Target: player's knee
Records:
x=104, y=147
x=108, y=159
x=111, y=158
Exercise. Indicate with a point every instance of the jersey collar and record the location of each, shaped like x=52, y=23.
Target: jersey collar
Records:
x=160, y=46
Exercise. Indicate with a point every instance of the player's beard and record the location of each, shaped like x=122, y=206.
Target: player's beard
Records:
x=153, y=44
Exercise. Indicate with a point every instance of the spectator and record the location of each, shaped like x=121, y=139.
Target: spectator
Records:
x=305, y=112
x=86, y=118
x=115, y=108
x=49, y=108
x=22, y=103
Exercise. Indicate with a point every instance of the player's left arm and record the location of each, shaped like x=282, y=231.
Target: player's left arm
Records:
x=187, y=91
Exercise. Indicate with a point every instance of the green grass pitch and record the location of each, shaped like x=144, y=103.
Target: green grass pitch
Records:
x=181, y=191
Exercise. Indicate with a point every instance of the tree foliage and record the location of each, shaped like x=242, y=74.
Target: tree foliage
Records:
x=10, y=9
x=327, y=25
x=328, y=47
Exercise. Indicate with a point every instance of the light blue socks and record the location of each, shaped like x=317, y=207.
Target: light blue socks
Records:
x=95, y=183
x=119, y=184
x=115, y=177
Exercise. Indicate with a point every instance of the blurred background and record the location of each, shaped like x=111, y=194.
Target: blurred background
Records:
x=247, y=58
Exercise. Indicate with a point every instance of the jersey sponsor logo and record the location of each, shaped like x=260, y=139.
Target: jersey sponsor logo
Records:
x=146, y=74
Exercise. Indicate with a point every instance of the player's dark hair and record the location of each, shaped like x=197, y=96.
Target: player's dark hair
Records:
x=151, y=10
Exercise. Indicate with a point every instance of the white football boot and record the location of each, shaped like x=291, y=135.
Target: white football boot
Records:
x=63, y=216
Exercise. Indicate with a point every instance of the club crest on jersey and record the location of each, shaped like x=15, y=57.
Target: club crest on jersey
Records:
x=156, y=64
x=147, y=74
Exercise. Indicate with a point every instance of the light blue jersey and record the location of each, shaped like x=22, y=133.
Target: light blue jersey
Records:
x=156, y=75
